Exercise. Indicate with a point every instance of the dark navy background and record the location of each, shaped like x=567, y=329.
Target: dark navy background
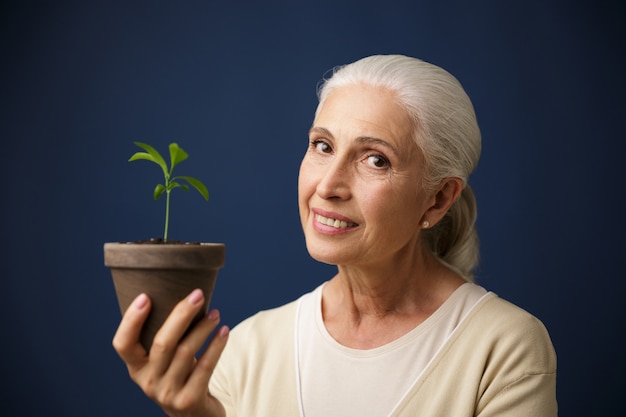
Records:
x=234, y=83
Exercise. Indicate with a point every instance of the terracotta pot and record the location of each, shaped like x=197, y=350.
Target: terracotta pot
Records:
x=167, y=273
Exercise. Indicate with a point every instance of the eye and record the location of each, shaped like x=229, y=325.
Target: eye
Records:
x=321, y=146
x=377, y=161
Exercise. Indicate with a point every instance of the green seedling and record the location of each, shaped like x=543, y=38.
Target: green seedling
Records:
x=177, y=155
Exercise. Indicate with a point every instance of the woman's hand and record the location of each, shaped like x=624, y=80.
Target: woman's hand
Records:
x=170, y=374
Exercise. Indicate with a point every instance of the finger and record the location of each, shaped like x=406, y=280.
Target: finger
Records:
x=184, y=359
x=126, y=340
x=167, y=338
x=199, y=379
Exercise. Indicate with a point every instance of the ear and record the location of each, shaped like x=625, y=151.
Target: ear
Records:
x=445, y=195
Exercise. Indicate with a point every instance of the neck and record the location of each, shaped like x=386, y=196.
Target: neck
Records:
x=393, y=287
x=369, y=306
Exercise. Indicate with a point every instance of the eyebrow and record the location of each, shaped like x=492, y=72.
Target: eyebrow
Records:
x=361, y=139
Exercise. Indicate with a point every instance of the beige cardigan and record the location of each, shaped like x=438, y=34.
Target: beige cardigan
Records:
x=498, y=362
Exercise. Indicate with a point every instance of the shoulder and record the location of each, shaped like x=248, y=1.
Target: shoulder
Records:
x=502, y=317
x=258, y=364
x=507, y=332
x=257, y=342
x=513, y=351
x=268, y=319
x=498, y=361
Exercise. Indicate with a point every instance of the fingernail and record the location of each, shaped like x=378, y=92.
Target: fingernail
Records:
x=140, y=301
x=213, y=315
x=195, y=297
x=223, y=332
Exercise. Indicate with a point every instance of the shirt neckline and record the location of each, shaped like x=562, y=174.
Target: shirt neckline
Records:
x=408, y=337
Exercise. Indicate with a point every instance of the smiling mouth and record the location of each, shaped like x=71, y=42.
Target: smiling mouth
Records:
x=337, y=224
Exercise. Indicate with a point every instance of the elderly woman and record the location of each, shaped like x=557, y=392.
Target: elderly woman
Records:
x=401, y=329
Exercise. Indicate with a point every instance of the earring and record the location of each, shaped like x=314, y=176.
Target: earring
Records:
x=425, y=224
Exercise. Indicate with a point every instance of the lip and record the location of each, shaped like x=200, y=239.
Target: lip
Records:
x=331, y=230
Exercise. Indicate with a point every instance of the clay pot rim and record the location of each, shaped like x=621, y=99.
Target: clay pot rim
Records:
x=184, y=256
x=156, y=245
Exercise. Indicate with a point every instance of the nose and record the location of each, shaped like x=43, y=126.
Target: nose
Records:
x=335, y=180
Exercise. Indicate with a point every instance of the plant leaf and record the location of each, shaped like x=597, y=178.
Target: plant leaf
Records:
x=177, y=155
x=158, y=191
x=173, y=184
x=151, y=155
x=142, y=155
x=197, y=184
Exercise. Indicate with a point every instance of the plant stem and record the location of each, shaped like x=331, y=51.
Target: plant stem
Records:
x=167, y=214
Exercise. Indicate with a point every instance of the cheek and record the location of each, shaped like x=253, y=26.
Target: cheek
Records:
x=305, y=180
x=304, y=187
x=397, y=207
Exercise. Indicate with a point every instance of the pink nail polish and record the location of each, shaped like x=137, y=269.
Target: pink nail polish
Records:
x=223, y=332
x=195, y=297
x=213, y=315
x=141, y=301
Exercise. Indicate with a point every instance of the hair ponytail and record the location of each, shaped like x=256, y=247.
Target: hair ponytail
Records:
x=454, y=240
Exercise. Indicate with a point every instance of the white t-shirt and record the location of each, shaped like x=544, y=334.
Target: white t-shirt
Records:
x=335, y=380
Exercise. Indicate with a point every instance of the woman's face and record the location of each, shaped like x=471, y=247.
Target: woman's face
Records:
x=360, y=196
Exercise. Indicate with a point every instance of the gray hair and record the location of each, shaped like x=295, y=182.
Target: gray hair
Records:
x=446, y=131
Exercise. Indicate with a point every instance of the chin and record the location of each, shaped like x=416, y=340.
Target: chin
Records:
x=327, y=254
